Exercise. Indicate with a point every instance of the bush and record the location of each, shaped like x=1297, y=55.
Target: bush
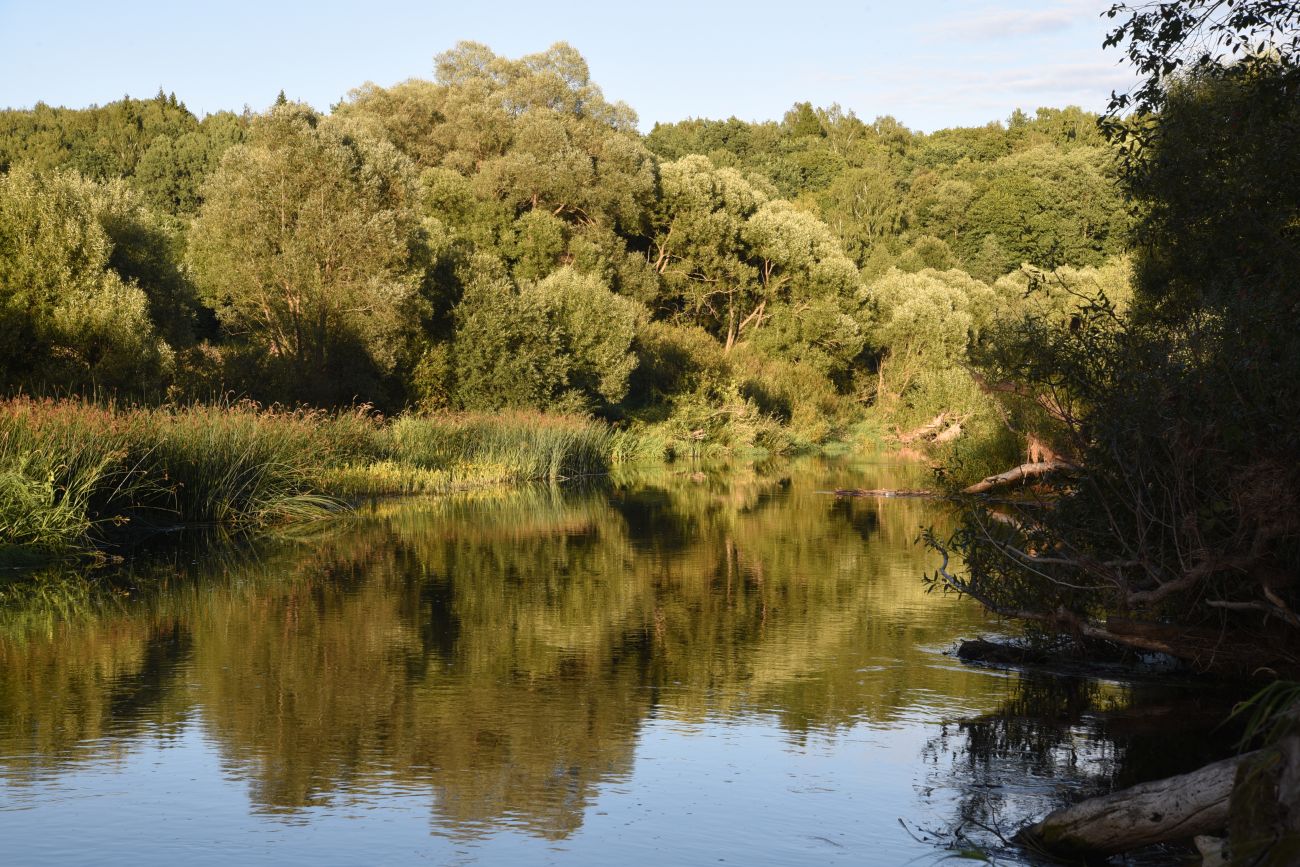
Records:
x=561, y=344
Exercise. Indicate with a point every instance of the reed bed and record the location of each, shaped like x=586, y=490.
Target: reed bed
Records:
x=526, y=446
x=72, y=471
x=75, y=474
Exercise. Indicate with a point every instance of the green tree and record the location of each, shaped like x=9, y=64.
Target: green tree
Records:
x=1049, y=207
x=306, y=245
x=737, y=262
x=533, y=133
x=171, y=172
x=67, y=319
x=562, y=343
x=866, y=207
x=924, y=321
x=699, y=248
x=100, y=142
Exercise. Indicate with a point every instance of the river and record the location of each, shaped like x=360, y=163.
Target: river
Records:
x=678, y=666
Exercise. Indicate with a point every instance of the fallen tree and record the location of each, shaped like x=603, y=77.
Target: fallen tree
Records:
x=1253, y=799
x=1176, y=808
x=1205, y=649
x=925, y=431
x=884, y=492
x=1021, y=473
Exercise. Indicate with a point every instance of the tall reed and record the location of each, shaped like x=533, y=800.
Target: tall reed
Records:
x=70, y=470
x=518, y=446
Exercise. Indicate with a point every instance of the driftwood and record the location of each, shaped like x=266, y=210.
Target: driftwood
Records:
x=949, y=433
x=982, y=650
x=1019, y=474
x=883, y=492
x=1177, y=808
x=928, y=429
x=1204, y=648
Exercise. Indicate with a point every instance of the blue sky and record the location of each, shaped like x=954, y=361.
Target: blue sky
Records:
x=929, y=63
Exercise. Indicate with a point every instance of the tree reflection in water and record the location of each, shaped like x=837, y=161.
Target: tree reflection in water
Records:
x=1062, y=737
x=503, y=652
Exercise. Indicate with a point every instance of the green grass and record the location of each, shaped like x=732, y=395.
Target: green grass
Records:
x=75, y=475
x=520, y=446
x=73, y=472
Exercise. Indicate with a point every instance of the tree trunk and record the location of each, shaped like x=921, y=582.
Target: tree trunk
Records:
x=1264, y=822
x=1019, y=474
x=1177, y=808
x=925, y=430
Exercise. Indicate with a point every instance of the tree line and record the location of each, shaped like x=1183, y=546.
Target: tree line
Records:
x=501, y=235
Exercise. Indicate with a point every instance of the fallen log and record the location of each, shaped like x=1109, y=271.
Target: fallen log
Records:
x=883, y=492
x=983, y=650
x=1177, y=808
x=1205, y=649
x=1019, y=474
x=949, y=433
x=928, y=429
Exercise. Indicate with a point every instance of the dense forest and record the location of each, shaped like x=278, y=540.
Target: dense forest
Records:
x=502, y=236
x=497, y=256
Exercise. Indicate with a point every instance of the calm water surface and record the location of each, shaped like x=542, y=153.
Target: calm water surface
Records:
x=686, y=668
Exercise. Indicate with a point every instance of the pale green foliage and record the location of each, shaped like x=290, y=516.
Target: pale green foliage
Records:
x=927, y=251
x=66, y=318
x=866, y=208
x=926, y=324
x=532, y=133
x=740, y=263
x=700, y=252
x=449, y=197
x=925, y=320
x=147, y=250
x=540, y=239
x=304, y=247
x=1056, y=296
x=811, y=288
x=560, y=343
x=992, y=260
x=105, y=337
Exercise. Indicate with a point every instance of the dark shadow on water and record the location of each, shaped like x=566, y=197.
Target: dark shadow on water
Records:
x=1060, y=739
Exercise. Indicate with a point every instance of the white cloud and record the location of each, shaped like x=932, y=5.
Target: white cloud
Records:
x=994, y=23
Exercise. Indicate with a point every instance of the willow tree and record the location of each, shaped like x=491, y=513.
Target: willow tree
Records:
x=67, y=318
x=307, y=247
x=739, y=262
x=531, y=136
x=559, y=343
x=700, y=249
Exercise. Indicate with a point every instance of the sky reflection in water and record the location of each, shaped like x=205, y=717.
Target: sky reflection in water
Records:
x=695, y=668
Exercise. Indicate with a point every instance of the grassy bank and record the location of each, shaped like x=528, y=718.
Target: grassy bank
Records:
x=76, y=475
x=442, y=453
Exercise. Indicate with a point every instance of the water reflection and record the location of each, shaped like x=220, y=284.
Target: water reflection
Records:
x=528, y=662
x=1066, y=737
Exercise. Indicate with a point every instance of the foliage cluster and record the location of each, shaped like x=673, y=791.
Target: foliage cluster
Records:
x=1179, y=503
x=502, y=237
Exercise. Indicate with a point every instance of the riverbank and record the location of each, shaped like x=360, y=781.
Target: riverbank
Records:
x=77, y=476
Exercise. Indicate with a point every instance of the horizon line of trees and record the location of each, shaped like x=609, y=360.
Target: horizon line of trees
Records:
x=501, y=235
